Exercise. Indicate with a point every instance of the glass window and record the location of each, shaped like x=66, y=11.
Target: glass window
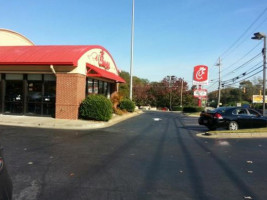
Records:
x=105, y=88
x=240, y=111
x=49, y=77
x=108, y=90
x=90, y=86
x=95, y=87
x=35, y=90
x=14, y=76
x=49, y=98
x=34, y=105
x=35, y=77
x=14, y=96
x=254, y=112
x=101, y=87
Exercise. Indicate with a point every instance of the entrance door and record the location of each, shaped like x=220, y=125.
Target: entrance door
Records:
x=34, y=104
x=14, y=96
x=49, y=98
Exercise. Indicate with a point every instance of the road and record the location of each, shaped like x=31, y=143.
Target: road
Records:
x=156, y=155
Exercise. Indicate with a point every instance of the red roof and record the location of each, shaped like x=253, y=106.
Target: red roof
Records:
x=44, y=55
x=52, y=55
x=104, y=74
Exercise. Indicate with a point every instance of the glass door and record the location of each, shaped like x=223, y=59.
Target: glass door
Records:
x=49, y=98
x=34, y=104
x=14, y=96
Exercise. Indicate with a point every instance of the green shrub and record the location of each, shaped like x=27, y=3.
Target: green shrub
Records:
x=177, y=108
x=191, y=109
x=96, y=107
x=127, y=104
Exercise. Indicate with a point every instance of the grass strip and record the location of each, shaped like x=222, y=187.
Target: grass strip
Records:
x=252, y=130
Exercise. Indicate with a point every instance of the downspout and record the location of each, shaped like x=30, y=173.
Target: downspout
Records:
x=53, y=69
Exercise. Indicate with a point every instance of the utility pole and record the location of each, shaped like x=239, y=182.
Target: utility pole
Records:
x=170, y=85
x=219, y=88
x=259, y=36
x=181, y=104
x=264, y=73
x=132, y=54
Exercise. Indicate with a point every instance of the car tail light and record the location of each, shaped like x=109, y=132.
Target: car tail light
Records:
x=1, y=164
x=218, y=116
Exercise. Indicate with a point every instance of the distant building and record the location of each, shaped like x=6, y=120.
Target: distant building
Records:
x=11, y=38
x=52, y=80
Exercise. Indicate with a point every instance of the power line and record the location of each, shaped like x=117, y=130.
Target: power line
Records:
x=236, y=45
x=244, y=64
x=245, y=78
x=244, y=55
x=242, y=35
x=245, y=73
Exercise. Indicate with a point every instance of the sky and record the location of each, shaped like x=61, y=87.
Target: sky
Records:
x=171, y=36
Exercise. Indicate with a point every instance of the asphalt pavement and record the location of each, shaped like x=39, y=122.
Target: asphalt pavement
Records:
x=64, y=124
x=156, y=156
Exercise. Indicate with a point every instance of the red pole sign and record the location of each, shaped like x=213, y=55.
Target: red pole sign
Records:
x=200, y=76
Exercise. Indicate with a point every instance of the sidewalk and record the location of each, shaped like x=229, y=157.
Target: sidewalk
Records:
x=49, y=122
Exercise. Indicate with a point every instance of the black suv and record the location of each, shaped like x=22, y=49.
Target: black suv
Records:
x=5, y=181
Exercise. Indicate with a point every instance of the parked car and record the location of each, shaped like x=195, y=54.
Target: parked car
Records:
x=232, y=118
x=5, y=181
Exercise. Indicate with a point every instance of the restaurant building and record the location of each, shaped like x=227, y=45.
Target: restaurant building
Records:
x=52, y=80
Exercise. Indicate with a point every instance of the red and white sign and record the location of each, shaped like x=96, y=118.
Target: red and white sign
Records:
x=200, y=93
x=99, y=58
x=200, y=76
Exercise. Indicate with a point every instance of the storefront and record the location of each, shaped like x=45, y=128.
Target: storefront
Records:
x=54, y=80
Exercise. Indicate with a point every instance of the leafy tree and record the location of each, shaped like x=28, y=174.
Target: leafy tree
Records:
x=125, y=87
x=247, y=89
x=165, y=93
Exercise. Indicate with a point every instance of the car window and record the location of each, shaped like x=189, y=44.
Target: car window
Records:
x=220, y=110
x=240, y=111
x=254, y=112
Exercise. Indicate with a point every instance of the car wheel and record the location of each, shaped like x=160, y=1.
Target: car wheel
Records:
x=233, y=126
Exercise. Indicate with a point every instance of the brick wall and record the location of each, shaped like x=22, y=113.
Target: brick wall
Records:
x=70, y=92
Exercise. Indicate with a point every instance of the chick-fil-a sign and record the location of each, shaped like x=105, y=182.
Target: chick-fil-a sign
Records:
x=99, y=58
x=200, y=76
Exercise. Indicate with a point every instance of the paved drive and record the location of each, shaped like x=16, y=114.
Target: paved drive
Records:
x=155, y=155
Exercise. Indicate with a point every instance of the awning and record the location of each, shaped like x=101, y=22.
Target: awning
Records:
x=93, y=71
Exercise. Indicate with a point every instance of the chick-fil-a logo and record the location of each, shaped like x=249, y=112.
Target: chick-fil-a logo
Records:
x=99, y=58
x=200, y=74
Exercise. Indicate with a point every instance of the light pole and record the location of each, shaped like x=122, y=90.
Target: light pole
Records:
x=219, y=88
x=170, y=79
x=259, y=36
x=132, y=54
x=181, y=104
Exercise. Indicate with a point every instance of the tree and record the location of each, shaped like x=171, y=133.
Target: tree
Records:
x=125, y=87
x=247, y=89
x=166, y=93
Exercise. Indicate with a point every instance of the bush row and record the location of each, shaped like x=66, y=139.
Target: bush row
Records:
x=177, y=108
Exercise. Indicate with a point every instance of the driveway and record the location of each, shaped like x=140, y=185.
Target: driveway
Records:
x=155, y=155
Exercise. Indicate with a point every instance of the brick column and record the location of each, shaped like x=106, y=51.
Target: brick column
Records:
x=70, y=92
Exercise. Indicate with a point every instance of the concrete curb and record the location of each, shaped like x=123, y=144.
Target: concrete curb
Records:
x=232, y=135
x=52, y=123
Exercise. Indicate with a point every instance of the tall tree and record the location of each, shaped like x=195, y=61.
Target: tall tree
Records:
x=247, y=90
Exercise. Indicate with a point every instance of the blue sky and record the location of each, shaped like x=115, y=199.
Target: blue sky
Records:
x=171, y=36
